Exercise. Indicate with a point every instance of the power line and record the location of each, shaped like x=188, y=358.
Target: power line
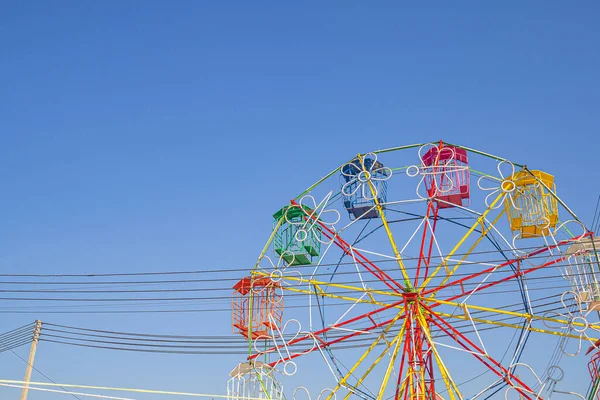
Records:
x=213, y=271
x=44, y=375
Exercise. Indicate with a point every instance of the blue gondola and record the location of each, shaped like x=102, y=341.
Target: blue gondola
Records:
x=356, y=192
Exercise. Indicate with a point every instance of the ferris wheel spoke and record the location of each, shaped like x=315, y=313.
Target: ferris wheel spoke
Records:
x=356, y=300
x=483, y=357
x=484, y=233
x=318, y=344
x=444, y=263
x=557, y=332
x=386, y=226
x=344, y=380
x=428, y=232
x=322, y=343
x=515, y=262
x=559, y=322
x=294, y=282
x=397, y=339
x=355, y=254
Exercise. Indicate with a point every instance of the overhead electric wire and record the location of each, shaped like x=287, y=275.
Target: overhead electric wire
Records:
x=485, y=263
x=242, y=350
x=213, y=271
x=566, y=286
x=153, y=299
x=65, y=391
x=116, y=345
x=16, y=337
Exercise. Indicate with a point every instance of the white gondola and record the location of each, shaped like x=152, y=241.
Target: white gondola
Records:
x=582, y=271
x=253, y=381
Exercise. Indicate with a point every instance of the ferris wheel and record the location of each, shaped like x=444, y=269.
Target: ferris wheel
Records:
x=428, y=271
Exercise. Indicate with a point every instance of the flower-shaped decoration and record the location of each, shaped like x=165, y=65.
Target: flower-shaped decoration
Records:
x=363, y=173
x=327, y=392
x=545, y=387
x=282, y=337
x=440, y=171
x=573, y=321
x=276, y=272
x=509, y=186
x=320, y=215
x=571, y=229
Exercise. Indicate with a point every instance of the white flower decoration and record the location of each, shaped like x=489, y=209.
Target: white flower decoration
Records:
x=508, y=185
x=325, y=391
x=550, y=241
x=276, y=272
x=282, y=346
x=577, y=322
x=312, y=224
x=553, y=375
x=361, y=173
x=440, y=177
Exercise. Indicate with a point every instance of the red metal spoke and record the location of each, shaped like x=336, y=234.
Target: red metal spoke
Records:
x=472, y=348
x=329, y=328
x=520, y=272
x=423, y=242
x=322, y=343
x=355, y=254
x=433, y=228
x=430, y=205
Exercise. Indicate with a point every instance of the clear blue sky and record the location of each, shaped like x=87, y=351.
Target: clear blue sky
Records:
x=139, y=136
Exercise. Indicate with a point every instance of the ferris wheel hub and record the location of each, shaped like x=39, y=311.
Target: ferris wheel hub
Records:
x=411, y=296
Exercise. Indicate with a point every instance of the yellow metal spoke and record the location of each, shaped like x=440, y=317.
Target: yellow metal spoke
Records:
x=402, y=387
x=313, y=282
x=528, y=316
x=388, y=372
x=484, y=232
x=444, y=263
x=515, y=326
x=366, y=353
x=386, y=226
x=335, y=296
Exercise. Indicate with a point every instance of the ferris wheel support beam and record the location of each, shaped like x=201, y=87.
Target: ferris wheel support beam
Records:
x=394, y=341
x=451, y=386
x=392, y=361
x=474, y=350
x=344, y=380
x=401, y=383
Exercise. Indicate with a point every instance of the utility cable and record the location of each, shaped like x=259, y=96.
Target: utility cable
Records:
x=44, y=375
